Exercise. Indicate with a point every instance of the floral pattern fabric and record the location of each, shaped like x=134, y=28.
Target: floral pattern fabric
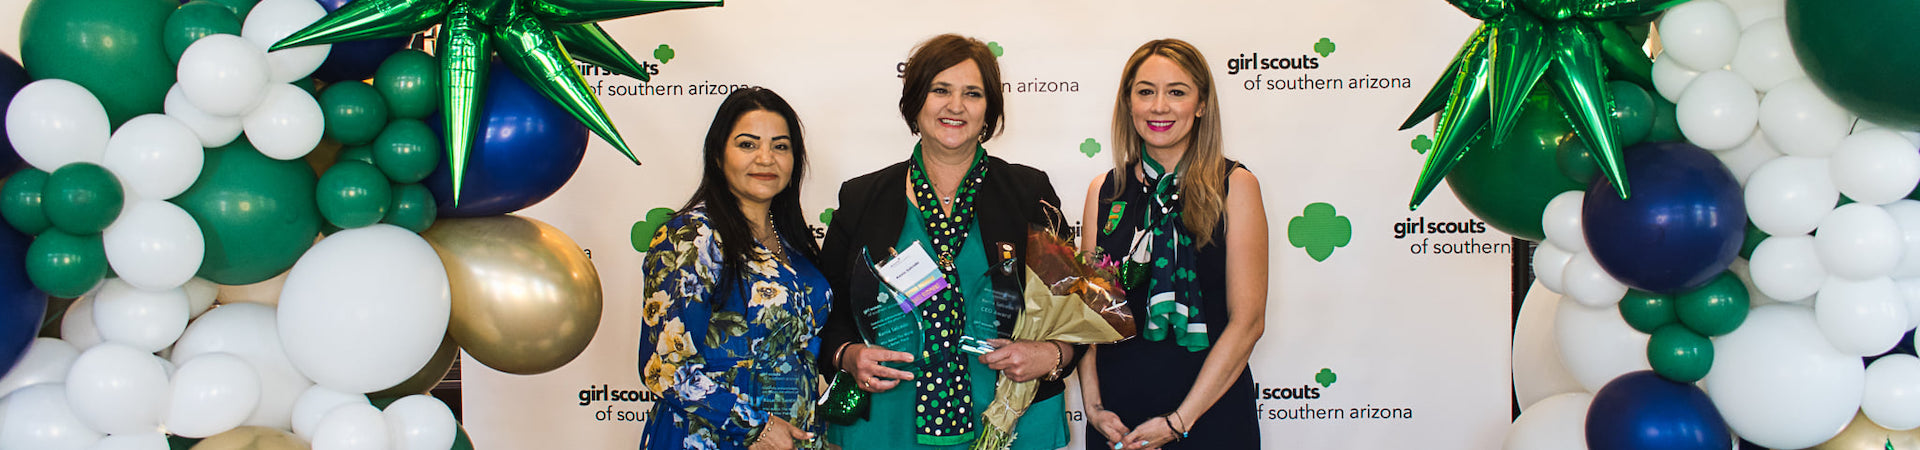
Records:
x=722, y=372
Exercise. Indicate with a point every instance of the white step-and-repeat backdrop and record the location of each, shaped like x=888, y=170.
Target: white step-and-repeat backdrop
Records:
x=1392, y=335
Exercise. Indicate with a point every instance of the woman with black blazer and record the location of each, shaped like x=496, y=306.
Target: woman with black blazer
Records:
x=970, y=212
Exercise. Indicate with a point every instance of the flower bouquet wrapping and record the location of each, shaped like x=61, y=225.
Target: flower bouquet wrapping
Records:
x=1068, y=300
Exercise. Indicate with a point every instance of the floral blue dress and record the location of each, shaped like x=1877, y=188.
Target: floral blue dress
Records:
x=722, y=372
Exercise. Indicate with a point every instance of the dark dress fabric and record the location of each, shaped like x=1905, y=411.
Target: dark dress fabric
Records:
x=1140, y=379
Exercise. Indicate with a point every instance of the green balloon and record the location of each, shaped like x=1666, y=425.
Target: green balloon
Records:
x=362, y=153
x=1633, y=113
x=111, y=47
x=82, y=198
x=1508, y=184
x=354, y=112
x=1576, y=161
x=413, y=207
x=461, y=441
x=1679, y=354
x=1647, y=311
x=195, y=20
x=256, y=213
x=353, y=194
x=410, y=82
x=1717, y=308
x=20, y=201
x=407, y=151
x=181, y=443
x=240, y=8
x=1666, y=122
x=1860, y=53
x=309, y=85
x=1754, y=238
x=65, y=265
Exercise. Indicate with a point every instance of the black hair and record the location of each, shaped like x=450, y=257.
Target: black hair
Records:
x=723, y=212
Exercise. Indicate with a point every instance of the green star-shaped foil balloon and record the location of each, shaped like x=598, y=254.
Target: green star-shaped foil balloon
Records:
x=1570, y=42
x=532, y=36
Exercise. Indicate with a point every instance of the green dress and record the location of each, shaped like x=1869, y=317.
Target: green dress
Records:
x=890, y=424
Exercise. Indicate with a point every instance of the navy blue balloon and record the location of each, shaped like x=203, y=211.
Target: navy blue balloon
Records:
x=1682, y=226
x=1642, y=411
x=528, y=148
x=22, y=306
x=12, y=78
x=355, y=60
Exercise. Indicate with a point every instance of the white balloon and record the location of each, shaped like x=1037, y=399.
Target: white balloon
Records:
x=250, y=332
x=1777, y=382
x=200, y=295
x=1910, y=291
x=38, y=417
x=315, y=403
x=273, y=20
x=213, y=131
x=420, y=422
x=1747, y=157
x=1538, y=371
x=1787, y=268
x=1791, y=195
x=365, y=308
x=154, y=155
x=1596, y=344
x=77, y=325
x=1700, y=34
x=1549, y=264
x=46, y=361
x=1858, y=241
x=1590, y=284
x=154, y=245
x=223, y=75
x=1801, y=121
x=144, y=320
x=1718, y=111
x=146, y=440
x=287, y=125
x=118, y=389
x=1765, y=57
x=1892, y=398
x=1556, y=423
x=1753, y=11
x=265, y=292
x=1875, y=167
x=1670, y=77
x=352, y=427
x=212, y=393
x=1755, y=298
x=53, y=122
x=1561, y=221
x=1862, y=317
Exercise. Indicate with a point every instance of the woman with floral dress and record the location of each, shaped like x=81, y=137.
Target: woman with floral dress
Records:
x=733, y=300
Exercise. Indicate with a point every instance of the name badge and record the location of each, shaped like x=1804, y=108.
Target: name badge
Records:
x=914, y=274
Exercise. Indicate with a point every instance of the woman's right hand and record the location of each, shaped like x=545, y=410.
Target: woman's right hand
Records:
x=863, y=362
x=1109, y=425
x=779, y=435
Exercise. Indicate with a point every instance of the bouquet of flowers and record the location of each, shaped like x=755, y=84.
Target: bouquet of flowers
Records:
x=1068, y=300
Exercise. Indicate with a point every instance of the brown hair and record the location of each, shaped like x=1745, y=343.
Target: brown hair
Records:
x=1203, y=181
x=937, y=55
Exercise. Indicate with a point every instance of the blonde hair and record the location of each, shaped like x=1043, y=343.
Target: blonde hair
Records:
x=1203, y=181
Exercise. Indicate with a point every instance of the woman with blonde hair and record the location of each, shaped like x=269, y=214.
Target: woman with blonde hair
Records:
x=1191, y=232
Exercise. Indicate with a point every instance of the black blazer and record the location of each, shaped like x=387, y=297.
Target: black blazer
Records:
x=872, y=211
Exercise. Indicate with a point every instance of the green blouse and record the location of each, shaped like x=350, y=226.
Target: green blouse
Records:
x=890, y=424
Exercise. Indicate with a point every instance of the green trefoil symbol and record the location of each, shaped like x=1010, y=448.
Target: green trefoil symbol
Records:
x=1318, y=229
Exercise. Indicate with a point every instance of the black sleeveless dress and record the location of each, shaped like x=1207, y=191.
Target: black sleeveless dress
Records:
x=1140, y=379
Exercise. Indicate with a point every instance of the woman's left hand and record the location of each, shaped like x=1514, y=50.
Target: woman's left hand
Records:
x=1022, y=360
x=1149, y=435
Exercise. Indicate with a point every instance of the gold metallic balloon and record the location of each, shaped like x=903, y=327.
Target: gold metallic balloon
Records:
x=428, y=376
x=1863, y=434
x=252, y=438
x=525, y=298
